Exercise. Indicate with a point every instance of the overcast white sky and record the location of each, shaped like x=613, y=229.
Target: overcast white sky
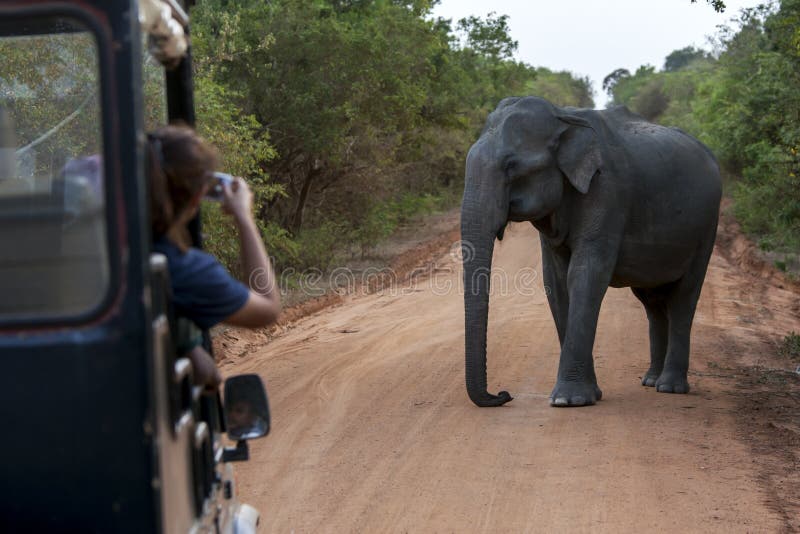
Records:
x=593, y=38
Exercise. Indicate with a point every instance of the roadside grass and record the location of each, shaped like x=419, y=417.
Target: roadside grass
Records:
x=789, y=347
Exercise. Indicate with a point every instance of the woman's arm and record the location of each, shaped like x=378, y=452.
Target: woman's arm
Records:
x=264, y=302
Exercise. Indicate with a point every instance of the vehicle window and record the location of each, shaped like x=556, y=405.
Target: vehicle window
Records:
x=53, y=247
x=155, y=92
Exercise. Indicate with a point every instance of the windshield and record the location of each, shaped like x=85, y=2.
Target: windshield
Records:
x=54, y=257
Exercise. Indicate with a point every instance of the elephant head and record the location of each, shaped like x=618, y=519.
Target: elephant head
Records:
x=527, y=155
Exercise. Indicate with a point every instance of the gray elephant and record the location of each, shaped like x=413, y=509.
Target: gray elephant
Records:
x=617, y=201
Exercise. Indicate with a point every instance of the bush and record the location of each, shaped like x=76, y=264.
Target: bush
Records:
x=651, y=101
x=767, y=200
x=790, y=347
x=384, y=218
x=319, y=247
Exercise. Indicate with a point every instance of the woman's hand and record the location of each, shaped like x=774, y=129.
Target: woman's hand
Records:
x=205, y=369
x=264, y=302
x=237, y=200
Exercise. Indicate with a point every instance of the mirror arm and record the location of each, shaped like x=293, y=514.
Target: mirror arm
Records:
x=240, y=453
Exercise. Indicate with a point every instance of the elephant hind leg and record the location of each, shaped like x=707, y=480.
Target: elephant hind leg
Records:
x=654, y=303
x=681, y=303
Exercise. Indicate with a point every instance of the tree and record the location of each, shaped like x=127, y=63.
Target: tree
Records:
x=679, y=59
x=651, y=101
x=561, y=88
x=751, y=113
x=49, y=87
x=613, y=78
x=718, y=5
x=370, y=107
x=335, y=88
x=489, y=37
x=625, y=87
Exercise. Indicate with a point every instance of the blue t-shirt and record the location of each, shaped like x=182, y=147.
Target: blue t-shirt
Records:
x=202, y=290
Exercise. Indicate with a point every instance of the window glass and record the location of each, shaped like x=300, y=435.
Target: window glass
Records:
x=53, y=247
x=155, y=90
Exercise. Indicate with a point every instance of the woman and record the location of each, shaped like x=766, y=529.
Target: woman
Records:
x=180, y=169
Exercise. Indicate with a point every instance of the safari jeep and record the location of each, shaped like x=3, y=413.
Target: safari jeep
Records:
x=103, y=428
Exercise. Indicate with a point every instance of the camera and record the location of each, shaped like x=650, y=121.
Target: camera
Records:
x=217, y=190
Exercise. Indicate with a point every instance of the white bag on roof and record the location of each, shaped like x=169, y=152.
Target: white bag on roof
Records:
x=166, y=38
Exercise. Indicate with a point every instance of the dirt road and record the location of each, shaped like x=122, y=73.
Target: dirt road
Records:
x=373, y=431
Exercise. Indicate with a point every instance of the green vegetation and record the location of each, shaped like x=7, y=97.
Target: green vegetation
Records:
x=718, y=5
x=349, y=116
x=743, y=102
x=48, y=86
x=790, y=347
x=561, y=88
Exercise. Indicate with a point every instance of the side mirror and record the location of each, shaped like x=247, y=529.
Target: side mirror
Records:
x=246, y=407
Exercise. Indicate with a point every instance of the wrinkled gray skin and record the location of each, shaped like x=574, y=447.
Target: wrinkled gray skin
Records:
x=618, y=202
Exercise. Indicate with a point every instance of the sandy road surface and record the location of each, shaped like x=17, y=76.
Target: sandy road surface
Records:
x=373, y=431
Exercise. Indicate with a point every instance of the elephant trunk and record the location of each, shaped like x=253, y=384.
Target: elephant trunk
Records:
x=477, y=246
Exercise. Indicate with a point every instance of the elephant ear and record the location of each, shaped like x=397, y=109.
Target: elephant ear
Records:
x=578, y=154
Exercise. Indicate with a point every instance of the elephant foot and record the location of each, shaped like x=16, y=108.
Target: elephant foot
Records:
x=672, y=383
x=650, y=378
x=485, y=399
x=575, y=394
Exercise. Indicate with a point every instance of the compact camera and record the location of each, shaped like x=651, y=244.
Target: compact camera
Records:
x=217, y=191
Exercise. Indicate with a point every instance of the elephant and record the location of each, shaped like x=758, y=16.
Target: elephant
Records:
x=617, y=201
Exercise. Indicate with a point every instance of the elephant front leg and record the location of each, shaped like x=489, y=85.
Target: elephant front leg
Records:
x=554, y=268
x=576, y=384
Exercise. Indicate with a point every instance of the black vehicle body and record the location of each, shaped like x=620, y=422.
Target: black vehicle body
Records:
x=104, y=431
